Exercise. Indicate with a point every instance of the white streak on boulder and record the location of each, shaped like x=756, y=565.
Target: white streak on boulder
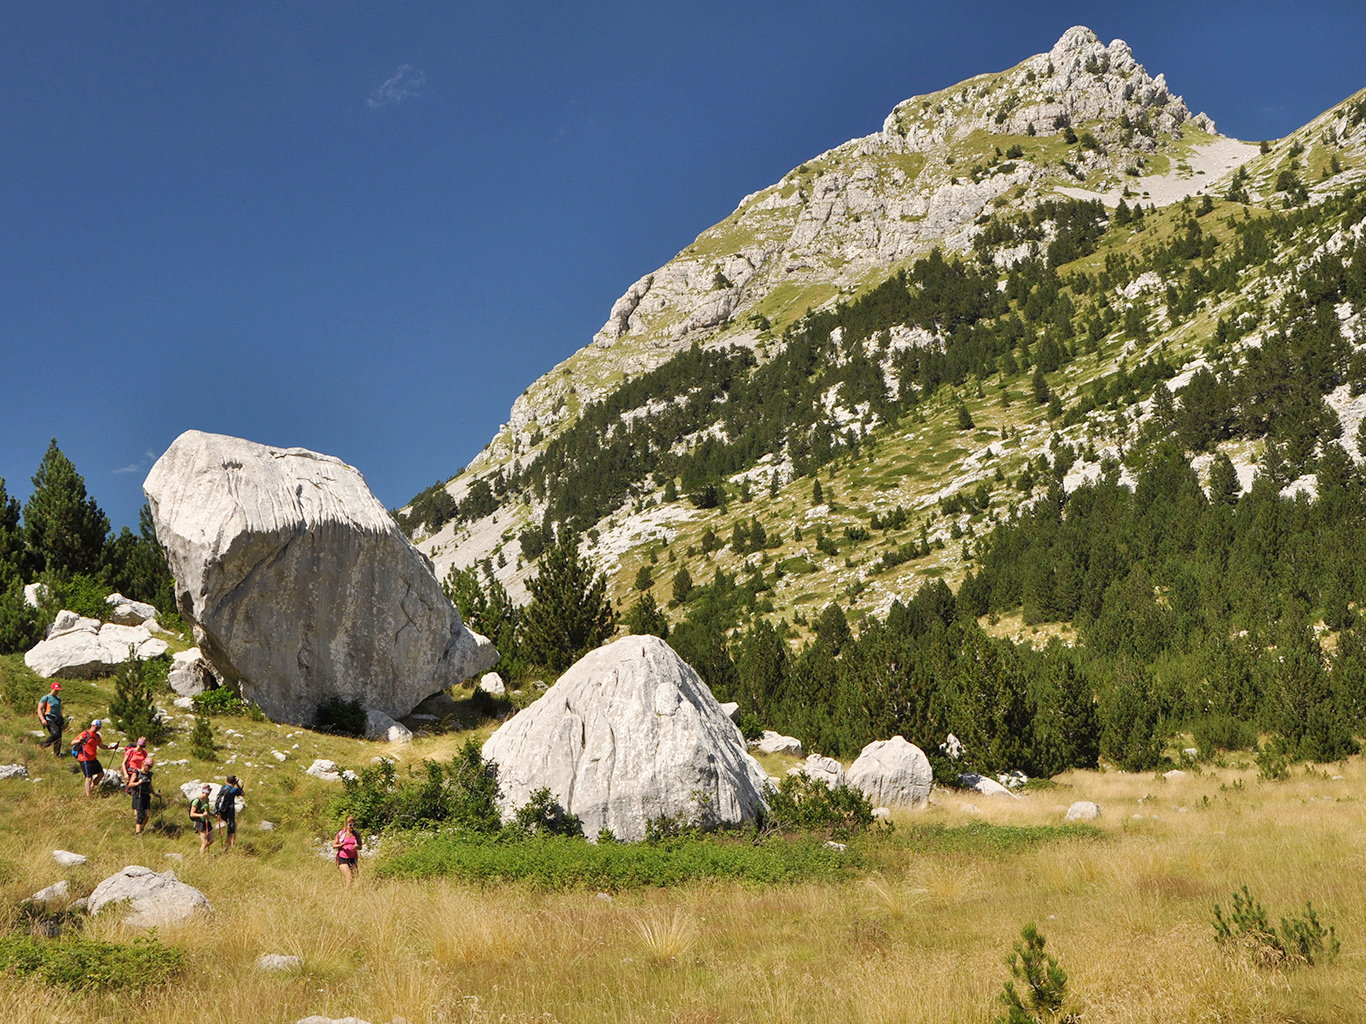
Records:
x=892, y=773
x=153, y=899
x=300, y=583
x=629, y=733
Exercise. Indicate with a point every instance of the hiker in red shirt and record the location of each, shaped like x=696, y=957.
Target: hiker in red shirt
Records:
x=88, y=746
x=137, y=773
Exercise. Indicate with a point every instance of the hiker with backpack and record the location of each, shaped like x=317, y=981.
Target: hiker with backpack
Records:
x=137, y=771
x=86, y=750
x=50, y=714
x=200, y=817
x=226, y=809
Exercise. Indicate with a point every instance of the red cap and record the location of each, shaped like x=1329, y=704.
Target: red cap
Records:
x=56, y=686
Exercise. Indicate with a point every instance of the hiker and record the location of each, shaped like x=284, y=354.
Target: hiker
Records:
x=50, y=714
x=348, y=844
x=87, y=749
x=137, y=771
x=226, y=809
x=199, y=814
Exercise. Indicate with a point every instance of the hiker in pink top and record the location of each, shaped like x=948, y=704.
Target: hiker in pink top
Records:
x=348, y=844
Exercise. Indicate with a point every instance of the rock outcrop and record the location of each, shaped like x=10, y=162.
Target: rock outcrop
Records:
x=81, y=648
x=126, y=612
x=302, y=586
x=825, y=769
x=190, y=674
x=630, y=732
x=153, y=899
x=892, y=773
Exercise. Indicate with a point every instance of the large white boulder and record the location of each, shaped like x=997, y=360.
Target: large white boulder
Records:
x=190, y=674
x=152, y=899
x=302, y=586
x=892, y=773
x=127, y=612
x=629, y=733
x=80, y=648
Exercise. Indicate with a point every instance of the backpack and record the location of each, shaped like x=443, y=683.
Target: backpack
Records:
x=220, y=803
x=78, y=745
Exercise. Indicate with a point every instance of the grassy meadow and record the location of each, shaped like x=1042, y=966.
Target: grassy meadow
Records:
x=914, y=925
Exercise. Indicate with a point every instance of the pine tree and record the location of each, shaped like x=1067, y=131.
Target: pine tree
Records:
x=644, y=578
x=569, y=613
x=133, y=707
x=645, y=617
x=816, y=497
x=64, y=529
x=682, y=585
x=202, y=745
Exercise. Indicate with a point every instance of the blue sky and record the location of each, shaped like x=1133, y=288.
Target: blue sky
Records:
x=365, y=228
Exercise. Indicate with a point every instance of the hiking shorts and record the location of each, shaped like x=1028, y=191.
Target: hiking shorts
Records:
x=92, y=767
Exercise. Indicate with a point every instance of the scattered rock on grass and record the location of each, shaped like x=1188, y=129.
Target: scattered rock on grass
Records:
x=1083, y=810
x=985, y=786
x=67, y=859
x=13, y=771
x=324, y=769
x=492, y=683
x=278, y=962
x=54, y=893
x=152, y=899
x=379, y=726
x=774, y=743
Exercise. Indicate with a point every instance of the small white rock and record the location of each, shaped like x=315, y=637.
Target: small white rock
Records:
x=67, y=859
x=278, y=962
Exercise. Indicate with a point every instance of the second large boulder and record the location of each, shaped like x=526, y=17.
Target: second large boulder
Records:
x=302, y=586
x=628, y=734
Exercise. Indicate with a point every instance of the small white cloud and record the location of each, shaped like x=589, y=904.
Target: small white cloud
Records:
x=405, y=83
x=128, y=469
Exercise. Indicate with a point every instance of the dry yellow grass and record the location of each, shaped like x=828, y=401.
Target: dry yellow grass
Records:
x=921, y=938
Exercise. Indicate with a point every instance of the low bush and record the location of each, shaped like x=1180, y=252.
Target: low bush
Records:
x=560, y=862
x=221, y=700
x=79, y=963
x=1298, y=941
x=1223, y=732
x=459, y=794
x=805, y=804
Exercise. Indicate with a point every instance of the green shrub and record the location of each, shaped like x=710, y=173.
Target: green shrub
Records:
x=459, y=794
x=804, y=804
x=1299, y=941
x=201, y=741
x=79, y=963
x=543, y=815
x=340, y=717
x=1043, y=984
x=560, y=862
x=221, y=700
x=1223, y=732
x=84, y=595
x=133, y=707
x=21, y=686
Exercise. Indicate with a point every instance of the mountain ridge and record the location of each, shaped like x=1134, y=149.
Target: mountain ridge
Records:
x=1087, y=78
